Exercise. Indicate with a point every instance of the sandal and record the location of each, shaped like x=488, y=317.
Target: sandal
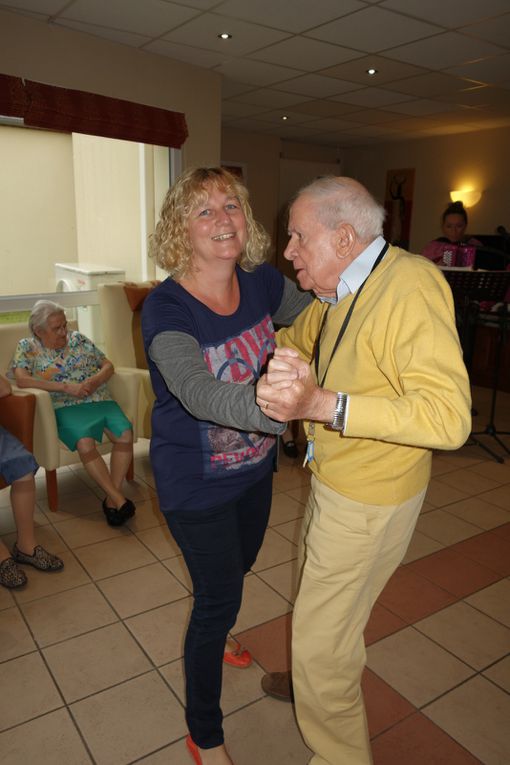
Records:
x=40, y=558
x=118, y=516
x=11, y=575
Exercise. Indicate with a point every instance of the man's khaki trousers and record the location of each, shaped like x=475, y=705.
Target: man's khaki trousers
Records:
x=348, y=551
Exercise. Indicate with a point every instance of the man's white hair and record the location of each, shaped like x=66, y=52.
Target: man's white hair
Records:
x=343, y=200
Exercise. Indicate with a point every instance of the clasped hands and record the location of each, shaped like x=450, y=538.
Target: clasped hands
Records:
x=288, y=391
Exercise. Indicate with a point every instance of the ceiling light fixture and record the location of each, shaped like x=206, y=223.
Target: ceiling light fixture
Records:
x=284, y=117
x=225, y=36
x=371, y=71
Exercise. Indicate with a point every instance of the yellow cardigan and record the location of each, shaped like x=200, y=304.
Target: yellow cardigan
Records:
x=401, y=363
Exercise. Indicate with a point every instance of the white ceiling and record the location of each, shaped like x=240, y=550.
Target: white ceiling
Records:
x=443, y=65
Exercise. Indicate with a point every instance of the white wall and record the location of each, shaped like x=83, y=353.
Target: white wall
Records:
x=64, y=57
x=443, y=164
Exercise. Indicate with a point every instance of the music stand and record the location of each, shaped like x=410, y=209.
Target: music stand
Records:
x=469, y=287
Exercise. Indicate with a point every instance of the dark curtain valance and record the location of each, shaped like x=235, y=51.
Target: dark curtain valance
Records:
x=12, y=96
x=46, y=106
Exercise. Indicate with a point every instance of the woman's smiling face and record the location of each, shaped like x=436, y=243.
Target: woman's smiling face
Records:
x=217, y=227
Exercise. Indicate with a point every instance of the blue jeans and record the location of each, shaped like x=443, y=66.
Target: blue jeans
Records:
x=220, y=546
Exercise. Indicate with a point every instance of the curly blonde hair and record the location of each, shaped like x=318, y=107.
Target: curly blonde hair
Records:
x=170, y=244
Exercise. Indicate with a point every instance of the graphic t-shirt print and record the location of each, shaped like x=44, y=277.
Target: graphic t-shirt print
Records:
x=237, y=360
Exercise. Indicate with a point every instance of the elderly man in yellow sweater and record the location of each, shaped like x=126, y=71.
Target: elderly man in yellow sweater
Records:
x=375, y=369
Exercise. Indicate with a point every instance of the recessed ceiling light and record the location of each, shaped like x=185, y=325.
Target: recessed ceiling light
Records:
x=224, y=36
x=371, y=71
x=284, y=117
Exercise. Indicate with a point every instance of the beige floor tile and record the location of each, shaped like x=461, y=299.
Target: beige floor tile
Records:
x=6, y=598
x=499, y=497
x=67, y=614
x=283, y=579
x=265, y=732
x=260, y=604
x=445, y=527
x=15, y=638
x=426, y=507
x=131, y=720
x=440, y=494
x=72, y=506
x=147, y=515
x=494, y=601
x=285, y=508
x=67, y=482
x=476, y=715
x=240, y=686
x=48, y=740
x=493, y=470
x=275, y=549
x=27, y=690
x=290, y=530
x=290, y=477
x=141, y=590
x=175, y=754
x=93, y=662
x=415, y=666
x=469, y=482
x=42, y=583
x=420, y=546
x=473, y=637
x=499, y=673
x=300, y=494
x=159, y=541
x=160, y=632
x=179, y=569
x=440, y=465
x=87, y=530
x=114, y=556
x=480, y=513
x=46, y=536
x=138, y=490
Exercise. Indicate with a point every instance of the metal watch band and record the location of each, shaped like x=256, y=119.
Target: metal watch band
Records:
x=338, y=421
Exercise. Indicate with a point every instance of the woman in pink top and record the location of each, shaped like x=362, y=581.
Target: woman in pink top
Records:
x=454, y=223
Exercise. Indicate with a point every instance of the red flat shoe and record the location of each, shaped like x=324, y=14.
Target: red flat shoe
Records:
x=240, y=658
x=193, y=750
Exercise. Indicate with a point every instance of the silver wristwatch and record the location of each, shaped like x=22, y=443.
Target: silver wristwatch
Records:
x=338, y=421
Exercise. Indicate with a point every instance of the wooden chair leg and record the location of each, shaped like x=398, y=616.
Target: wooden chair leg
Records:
x=52, y=489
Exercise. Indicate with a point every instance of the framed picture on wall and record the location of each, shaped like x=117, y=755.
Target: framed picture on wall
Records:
x=236, y=168
x=398, y=202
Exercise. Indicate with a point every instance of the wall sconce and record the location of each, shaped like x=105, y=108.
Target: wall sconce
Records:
x=469, y=197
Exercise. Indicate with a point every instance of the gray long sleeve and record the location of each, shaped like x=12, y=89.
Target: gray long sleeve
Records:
x=179, y=359
x=293, y=302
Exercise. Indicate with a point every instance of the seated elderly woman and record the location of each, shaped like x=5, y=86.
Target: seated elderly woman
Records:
x=17, y=468
x=74, y=372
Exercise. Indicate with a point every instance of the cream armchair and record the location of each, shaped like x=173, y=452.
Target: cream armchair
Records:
x=120, y=305
x=48, y=450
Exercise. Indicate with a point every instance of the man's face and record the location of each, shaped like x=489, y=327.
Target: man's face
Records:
x=312, y=249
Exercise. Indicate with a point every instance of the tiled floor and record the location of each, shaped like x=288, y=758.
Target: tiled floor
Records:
x=90, y=658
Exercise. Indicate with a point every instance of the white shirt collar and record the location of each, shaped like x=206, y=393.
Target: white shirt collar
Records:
x=355, y=274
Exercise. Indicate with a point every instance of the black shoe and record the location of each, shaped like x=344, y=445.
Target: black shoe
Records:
x=290, y=449
x=117, y=517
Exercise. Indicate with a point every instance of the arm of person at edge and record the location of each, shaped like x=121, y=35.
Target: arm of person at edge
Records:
x=179, y=360
x=24, y=379
x=432, y=409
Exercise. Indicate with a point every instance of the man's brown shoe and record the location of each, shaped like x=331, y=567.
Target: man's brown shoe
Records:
x=278, y=685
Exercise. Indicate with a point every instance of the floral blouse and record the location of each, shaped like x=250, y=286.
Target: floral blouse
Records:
x=76, y=362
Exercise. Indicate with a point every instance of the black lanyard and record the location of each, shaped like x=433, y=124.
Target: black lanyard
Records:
x=345, y=323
